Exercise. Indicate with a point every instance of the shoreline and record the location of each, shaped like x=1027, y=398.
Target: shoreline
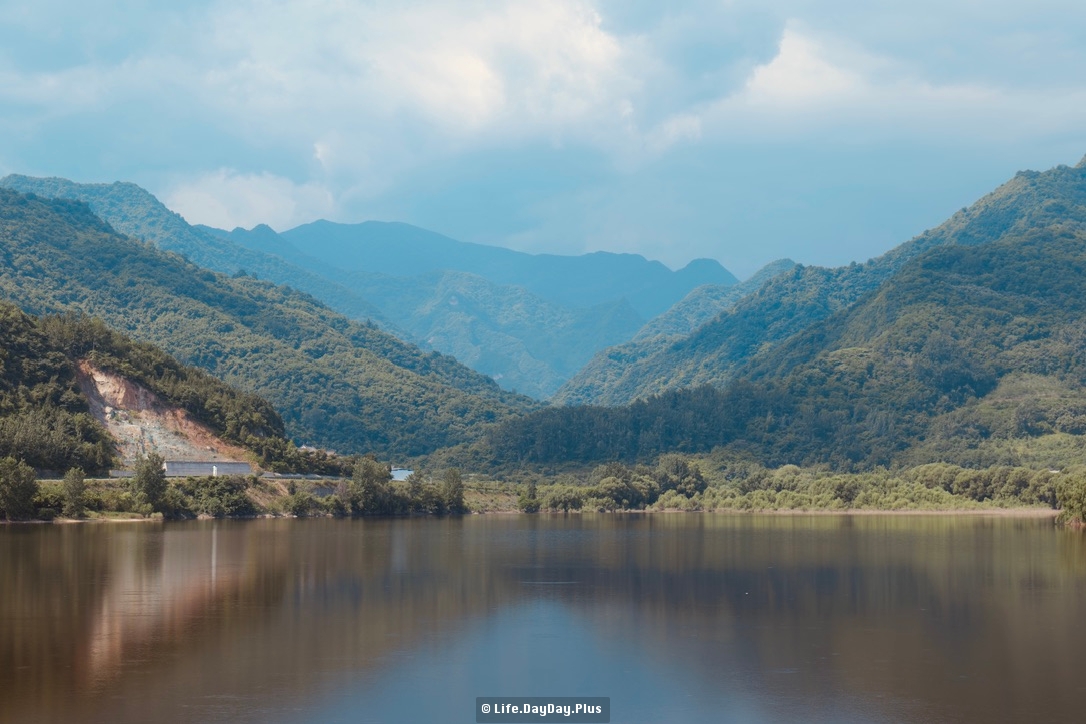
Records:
x=1021, y=512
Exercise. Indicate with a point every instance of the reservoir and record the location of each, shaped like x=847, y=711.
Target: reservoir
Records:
x=674, y=617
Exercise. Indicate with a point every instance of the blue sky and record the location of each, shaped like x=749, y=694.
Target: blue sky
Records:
x=742, y=131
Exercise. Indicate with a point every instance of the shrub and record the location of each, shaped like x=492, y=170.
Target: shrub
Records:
x=18, y=488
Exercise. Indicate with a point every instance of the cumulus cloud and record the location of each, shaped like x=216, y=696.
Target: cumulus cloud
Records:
x=246, y=111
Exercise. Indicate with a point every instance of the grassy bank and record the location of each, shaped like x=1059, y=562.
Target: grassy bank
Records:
x=674, y=484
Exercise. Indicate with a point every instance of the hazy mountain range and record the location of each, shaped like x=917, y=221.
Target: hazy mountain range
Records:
x=964, y=344
x=528, y=321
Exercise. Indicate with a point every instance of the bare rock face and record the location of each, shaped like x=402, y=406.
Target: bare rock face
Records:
x=142, y=423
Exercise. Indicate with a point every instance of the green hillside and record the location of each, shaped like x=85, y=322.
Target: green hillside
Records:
x=611, y=376
x=340, y=384
x=45, y=418
x=526, y=341
x=134, y=212
x=790, y=303
x=970, y=353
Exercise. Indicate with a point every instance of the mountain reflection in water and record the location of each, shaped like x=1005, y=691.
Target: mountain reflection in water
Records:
x=675, y=617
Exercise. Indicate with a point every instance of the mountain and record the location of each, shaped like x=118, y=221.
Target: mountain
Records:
x=339, y=383
x=526, y=343
x=707, y=302
x=789, y=303
x=530, y=328
x=588, y=280
x=136, y=213
x=970, y=352
x=611, y=376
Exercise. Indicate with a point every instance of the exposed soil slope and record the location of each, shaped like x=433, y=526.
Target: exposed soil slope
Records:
x=142, y=423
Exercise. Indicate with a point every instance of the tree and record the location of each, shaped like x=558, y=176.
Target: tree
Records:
x=369, y=490
x=529, y=502
x=18, y=486
x=674, y=472
x=1071, y=496
x=149, y=482
x=452, y=490
x=75, y=488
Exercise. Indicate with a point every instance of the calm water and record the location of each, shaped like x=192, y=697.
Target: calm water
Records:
x=677, y=618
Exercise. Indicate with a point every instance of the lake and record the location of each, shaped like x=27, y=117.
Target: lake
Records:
x=675, y=617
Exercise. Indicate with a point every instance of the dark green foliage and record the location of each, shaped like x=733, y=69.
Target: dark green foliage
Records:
x=18, y=488
x=218, y=497
x=674, y=472
x=452, y=490
x=44, y=418
x=149, y=482
x=340, y=384
x=369, y=489
x=236, y=416
x=529, y=502
x=75, y=488
x=302, y=504
x=1071, y=495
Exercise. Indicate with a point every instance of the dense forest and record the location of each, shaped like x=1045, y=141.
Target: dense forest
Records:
x=338, y=384
x=45, y=419
x=964, y=350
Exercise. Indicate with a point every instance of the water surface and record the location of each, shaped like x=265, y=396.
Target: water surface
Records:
x=677, y=618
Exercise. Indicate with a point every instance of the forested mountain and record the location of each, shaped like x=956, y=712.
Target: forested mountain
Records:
x=972, y=355
x=529, y=322
x=607, y=379
x=339, y=384
x=790, y=303
x=136, y=213
x=971, y=352
x=45, y=419
x=706, y=302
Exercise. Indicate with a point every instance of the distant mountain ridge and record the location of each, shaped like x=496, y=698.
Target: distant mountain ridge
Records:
x=523, y=341
x=532, y=324
x=789, y=303
x=587, y=280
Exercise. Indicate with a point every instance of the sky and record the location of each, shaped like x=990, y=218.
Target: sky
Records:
x=743, y=131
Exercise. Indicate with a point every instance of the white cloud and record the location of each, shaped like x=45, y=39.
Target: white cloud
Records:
x=226, y=199
x=800, y=74
x=396, y=107
x=463, y=69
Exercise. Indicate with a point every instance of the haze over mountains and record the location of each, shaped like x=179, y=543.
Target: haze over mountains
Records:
x=789, y=303
x=961, y=345
x=338, y=383
x=528, y=321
